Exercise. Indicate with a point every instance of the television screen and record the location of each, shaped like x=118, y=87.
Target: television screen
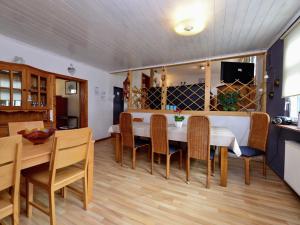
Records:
x=231, y=71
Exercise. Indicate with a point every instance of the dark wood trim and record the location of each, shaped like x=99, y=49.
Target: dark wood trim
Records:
x=289, y=127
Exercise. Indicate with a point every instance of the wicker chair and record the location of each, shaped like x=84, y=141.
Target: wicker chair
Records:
x=198, y=138
x=257, y=141
x=160, y=143
x=127, y=138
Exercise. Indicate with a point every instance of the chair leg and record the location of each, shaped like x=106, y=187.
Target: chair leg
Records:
x=208, y=174
x=168, y=166
x=122, y=149
x=180, y=159
x=152, y=159
x=149, y=153
x=219, y=158
x=264, y=166
x=158, y=159
x=247, y=170
x=52, y=207
x=85, y=193
x=213, y=166
x=29, y=198
x=64, y=192
x=133, y=158
x=187, y=168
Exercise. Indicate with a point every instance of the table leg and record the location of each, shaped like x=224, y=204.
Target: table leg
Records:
x=90, y=173
x=224, y=162
x=117, y=147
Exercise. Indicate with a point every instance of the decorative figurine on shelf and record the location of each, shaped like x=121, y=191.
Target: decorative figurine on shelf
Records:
x=178, y=118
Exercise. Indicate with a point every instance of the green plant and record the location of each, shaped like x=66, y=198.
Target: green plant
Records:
x=229, y=101
x=178, y=117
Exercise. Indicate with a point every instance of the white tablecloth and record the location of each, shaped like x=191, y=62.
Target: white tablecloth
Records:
x=219, y=136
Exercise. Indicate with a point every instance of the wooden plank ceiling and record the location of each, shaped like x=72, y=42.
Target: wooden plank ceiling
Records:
x=120, y=34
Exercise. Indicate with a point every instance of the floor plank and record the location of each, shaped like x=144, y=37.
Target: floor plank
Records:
x=126, y=196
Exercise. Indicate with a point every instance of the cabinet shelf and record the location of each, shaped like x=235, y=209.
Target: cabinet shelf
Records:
x=5, y=88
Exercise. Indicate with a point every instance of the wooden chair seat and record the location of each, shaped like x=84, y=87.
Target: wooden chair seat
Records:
x=249, y=152
x=63, y=177
x=6, y=207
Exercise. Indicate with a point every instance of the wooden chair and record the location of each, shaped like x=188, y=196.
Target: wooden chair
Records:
x=198, y=139
x=128, y=140
x=10, y=164
x=257, y=141
x=70, y=147
x=160, y=141
x=14, y=127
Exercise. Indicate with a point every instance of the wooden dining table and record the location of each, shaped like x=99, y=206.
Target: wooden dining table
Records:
x=219, y=136
x=33, y=155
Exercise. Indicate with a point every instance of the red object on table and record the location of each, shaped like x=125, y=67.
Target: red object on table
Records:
x=37, y=136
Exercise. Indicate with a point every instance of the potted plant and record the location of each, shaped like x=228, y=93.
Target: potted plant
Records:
x=178, y=118
x=229, y=101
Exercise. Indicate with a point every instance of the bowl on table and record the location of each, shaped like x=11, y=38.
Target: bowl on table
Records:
x=37, y=136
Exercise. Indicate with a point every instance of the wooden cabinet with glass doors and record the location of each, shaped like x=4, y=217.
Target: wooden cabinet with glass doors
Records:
x=24, y=88
x=39, y=85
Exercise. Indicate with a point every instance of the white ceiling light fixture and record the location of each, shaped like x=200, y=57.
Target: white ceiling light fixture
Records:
x=190, y=19
x=190, y=27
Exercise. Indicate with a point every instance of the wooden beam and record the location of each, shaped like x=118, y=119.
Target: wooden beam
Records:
x=129, y=75
x=207, y=86
x=164, y=88
x=264, y=84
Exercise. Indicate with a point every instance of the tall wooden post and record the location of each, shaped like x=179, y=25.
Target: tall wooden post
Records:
x=207, y=86
x=164, y=88
x=129, y=75
x=264, y=84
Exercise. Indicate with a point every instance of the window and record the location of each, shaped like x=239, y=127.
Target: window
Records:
x=291, y=63
x=294, y=105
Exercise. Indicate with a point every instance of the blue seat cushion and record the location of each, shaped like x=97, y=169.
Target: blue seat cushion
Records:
x=249, y=152
x=212, y=153
x=140, y=142
x=173, y=149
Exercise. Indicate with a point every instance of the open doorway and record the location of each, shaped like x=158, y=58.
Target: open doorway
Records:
x=67, y=104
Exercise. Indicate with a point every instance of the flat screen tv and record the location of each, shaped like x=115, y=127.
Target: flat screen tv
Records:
x=231, y=71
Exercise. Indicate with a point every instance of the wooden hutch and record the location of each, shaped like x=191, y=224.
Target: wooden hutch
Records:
x=26, y=94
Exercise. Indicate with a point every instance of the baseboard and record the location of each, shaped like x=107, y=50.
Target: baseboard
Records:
x=103, y=139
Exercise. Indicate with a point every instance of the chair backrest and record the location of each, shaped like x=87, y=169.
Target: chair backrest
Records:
x=198, y=137
x=10, y=162
x=14, y=127
x=159, y=134
x=126, y=130
x=136, y=119
x=70, y=147
x=259, y=130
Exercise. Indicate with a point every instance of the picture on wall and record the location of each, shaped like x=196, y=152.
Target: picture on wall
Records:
x=71, y=87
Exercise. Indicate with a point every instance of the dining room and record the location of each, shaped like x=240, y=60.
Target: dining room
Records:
x=149, y=112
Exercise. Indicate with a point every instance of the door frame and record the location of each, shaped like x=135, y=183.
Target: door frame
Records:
x=83, y=98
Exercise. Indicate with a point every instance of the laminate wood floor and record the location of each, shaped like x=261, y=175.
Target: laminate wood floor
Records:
x=126, y=196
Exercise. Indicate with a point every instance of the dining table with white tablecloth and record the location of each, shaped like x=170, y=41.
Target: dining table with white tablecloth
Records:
x=219, y=136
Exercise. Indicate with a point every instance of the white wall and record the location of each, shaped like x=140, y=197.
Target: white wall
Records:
x=99, y=106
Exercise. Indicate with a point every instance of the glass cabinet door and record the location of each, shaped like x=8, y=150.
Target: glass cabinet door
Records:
x=4, y=87
x=17, y=88
x=37, y=96
x=10, y=88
